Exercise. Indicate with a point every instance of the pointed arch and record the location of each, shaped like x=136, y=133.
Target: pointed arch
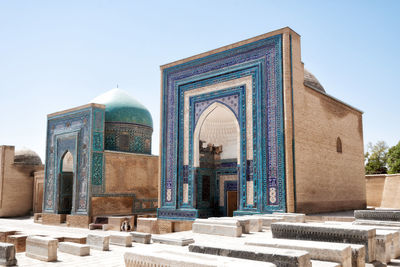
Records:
x=214, y=107
x=67, y=162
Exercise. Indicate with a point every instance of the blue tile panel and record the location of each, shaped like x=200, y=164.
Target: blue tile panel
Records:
x=262, y=60
x=80, y=132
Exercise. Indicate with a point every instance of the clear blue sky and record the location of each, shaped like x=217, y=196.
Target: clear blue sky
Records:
x=56, y=55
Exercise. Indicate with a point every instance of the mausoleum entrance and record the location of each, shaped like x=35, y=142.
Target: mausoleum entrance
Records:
x=66, y=184
x=217, y=135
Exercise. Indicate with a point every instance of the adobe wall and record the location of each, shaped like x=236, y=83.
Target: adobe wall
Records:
x=383, y=190
x=325, y=179
x=374, y=188
x=16, y=184
x=128, y=178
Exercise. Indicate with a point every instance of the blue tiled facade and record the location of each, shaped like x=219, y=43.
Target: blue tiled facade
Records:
x=262, y=61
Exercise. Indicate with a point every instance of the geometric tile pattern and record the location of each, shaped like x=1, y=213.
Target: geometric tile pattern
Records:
x=262, y=60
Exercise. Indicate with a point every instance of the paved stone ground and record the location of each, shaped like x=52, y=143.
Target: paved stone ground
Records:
x=114, y=257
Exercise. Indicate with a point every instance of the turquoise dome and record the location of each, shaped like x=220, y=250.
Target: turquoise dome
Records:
x=121, y=107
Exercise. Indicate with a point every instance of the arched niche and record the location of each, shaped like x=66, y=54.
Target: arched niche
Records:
x=217, y=125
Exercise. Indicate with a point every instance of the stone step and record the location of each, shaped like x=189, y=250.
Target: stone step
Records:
x=74, y=248
x=323, y=251
x=172, y=240
x=278, y=256
x=172, y=258
x=328, y=233
x=41, y=248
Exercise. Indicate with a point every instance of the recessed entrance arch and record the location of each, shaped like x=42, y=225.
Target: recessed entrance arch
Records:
x=66, y=181
x=216, y=145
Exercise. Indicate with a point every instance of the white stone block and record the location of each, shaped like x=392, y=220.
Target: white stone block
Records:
x=322, y=251
x=74, y=248
x=41, y=248
x=7, y=254
x=217, y=229
x=172, y=240
x=139, y=237
x=278, y=256
x=121, y=239
x=99, y=242
x=244, y=222
x=383, y=246
x=315, y=263
x=161, y=258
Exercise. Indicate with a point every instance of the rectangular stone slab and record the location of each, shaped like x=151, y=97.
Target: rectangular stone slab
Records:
x=328, y=233
x=244, y=222
x=384, y=246
x=217, y=221
x=4, y=233
x=291, y=217
x=395, y=247
x=256, y=223
x=74, y=248
x=161, y=258
x=7, y=254
x=268, y=220
x=121, y=239
x=19, y=241
x=41, y=248
x=171, y=240
x=377, y=223
x=99, y=242
x=315, y=263
x=217, y=229
x=279, y=257
x=378, y=215
x=323, y=251
x=139, y=237
x=75, y=239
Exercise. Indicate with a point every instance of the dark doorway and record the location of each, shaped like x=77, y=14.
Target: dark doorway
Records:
x=231, y=202
x=66, y=184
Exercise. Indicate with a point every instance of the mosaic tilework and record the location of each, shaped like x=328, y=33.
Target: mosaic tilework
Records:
x=138, y=137
x=97, y=168
x=72, y=132
x=265, y=58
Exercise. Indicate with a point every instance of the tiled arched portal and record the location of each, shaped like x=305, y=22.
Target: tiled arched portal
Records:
x=246, y=79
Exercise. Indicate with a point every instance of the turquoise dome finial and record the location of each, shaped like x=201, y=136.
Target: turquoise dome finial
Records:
x=121, y=107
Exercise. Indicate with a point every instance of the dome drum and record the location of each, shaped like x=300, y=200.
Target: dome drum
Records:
x=128, y=137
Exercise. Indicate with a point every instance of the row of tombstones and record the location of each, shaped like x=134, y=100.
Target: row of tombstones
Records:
x=45, y=248
x=374, y=237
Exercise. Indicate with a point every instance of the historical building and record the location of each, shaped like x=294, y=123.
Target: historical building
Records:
x=246, y=129
x=99, y=162
x=17, y=170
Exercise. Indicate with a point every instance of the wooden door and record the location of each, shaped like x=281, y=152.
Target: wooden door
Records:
x=231, y=202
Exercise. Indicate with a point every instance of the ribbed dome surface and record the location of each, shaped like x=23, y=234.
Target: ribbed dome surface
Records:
x=27, y=156
x=311, y=81
x=121, y=107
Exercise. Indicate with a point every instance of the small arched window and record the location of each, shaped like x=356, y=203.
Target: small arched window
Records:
x=339, y=145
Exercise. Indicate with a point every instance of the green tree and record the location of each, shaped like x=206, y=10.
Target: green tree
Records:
x=393, y=159
x=376, y=158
